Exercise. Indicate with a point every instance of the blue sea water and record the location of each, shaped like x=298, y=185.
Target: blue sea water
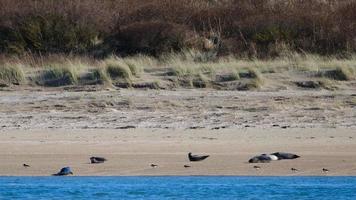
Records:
x=195, y=187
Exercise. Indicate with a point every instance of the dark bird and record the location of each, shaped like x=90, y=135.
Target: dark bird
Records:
x=26, y=165
x=282, y=155
x=325, y=170
x=257, y=167
x=194, y=158
x=154, y=165
x=64, y=172
x=96, y=160
x=294, y=169
x=186, y=166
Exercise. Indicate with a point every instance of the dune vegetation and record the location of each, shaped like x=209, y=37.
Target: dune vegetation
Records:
x=222, y=44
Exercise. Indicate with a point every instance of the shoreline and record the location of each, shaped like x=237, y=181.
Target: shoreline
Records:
x=130, y=152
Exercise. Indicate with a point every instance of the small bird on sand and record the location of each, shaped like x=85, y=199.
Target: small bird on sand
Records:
x=194, y=158
x=96, y=160
x=257, y=167
x=64, y=172
x=154, y=165
x=294, y=169
x=325, y=170
x=26, y=165
x=186, y=166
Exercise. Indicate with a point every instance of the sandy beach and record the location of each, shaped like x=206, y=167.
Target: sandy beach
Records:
x=51, y=129
x=130, y=152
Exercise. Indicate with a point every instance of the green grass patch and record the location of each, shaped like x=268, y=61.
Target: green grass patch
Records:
x=118, y=70
x=97, y=76
x=135, y=69
x=12, y=74
x=58, y=76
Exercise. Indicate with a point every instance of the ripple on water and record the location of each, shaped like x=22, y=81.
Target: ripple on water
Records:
x=178, y=187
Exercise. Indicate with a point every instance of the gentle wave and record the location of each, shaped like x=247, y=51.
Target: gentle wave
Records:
x=178, y=187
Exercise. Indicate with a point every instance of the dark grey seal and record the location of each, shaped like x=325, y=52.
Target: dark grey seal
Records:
x=194, y=158
x=26, y=165
x=263, y=158
x=64, y=172
x=96, y=160
x=282, y=155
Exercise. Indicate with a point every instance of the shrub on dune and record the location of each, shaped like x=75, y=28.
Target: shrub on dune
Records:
x=58, y=76
x=149, y=37
x=340, y=73
x=97, y=76
x=118, y=70
x=12, y=74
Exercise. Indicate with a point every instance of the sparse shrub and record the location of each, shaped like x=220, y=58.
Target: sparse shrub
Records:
x=58, y=76
x=251, y=73
x=179, y=71
x=97, y=76
x=340, y=74
x=11, y=41
x=232, y=76
x=56, y=34
x=251, y=84
x=12, y=74
x=200, y=81
x=246, y=27
x=117, y=70
x=150, y=38
x=135, y=69
x=256, y=81
x=47, y=34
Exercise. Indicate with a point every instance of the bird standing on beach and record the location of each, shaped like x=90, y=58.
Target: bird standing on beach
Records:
x=194, y=158
x=154, y=165
x=325, y=170
x=294, y=169
x=257, y=167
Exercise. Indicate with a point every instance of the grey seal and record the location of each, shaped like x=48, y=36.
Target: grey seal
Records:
x=96, y=160
x=194, y=158
x=64, y=172
x=282, y=155
x=263, y=158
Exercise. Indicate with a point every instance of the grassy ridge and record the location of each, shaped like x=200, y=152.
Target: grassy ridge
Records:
x=179, y=70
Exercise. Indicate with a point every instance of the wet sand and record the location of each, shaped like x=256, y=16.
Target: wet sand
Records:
x=130, y=152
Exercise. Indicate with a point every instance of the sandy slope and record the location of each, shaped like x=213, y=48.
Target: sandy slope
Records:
x=180, y=108
x=130, y=152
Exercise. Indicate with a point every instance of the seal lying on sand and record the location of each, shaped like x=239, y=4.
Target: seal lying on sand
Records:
x=96, y=160
x=194, y=158
x=64, y=172
x=282, y=155
x=263, y=158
